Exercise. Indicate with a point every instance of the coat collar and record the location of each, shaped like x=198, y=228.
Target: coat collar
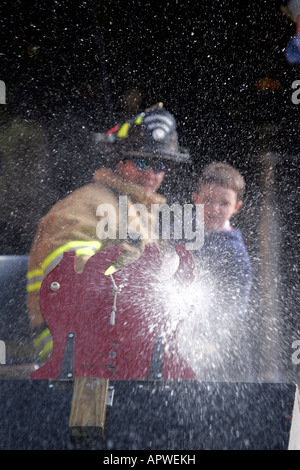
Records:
x=115, y=181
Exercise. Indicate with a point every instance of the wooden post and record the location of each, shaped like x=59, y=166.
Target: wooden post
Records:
x=269, y=251
x=88, y=406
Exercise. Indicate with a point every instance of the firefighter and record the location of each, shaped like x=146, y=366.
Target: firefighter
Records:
x=137, y=153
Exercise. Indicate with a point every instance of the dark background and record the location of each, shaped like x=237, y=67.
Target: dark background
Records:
x=67, y=66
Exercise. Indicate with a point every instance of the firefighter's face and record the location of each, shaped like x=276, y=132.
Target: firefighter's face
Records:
x=140, y=172
x=220, y=204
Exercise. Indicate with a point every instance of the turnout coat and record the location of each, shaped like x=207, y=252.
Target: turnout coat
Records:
x=89, y=220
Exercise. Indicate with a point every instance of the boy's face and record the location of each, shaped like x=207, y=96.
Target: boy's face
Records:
x=220, y=204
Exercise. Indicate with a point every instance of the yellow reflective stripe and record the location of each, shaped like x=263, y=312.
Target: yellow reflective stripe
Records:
x=37, y=285
x=46, y=350
x=88, y=248
x=34, y=286
x=45, y=342
x=34, y=273
x=52, y=256
x=110, y=270
x=44, y=334
x=139, y=119
x=85, y=251
x=34, y=279
x=69, y=247
x=123, y=131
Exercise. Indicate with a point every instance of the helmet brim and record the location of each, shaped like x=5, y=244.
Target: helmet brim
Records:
x=179, y=157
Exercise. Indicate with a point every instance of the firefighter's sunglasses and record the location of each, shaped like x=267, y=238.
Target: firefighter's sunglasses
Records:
x=144, y=165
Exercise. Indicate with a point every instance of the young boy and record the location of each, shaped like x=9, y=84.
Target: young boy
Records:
x=220, y=190
x=224, y=278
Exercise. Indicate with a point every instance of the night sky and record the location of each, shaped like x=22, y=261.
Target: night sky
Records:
x=202, y=59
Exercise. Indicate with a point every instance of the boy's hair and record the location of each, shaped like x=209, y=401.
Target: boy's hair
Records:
x=224, y=175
